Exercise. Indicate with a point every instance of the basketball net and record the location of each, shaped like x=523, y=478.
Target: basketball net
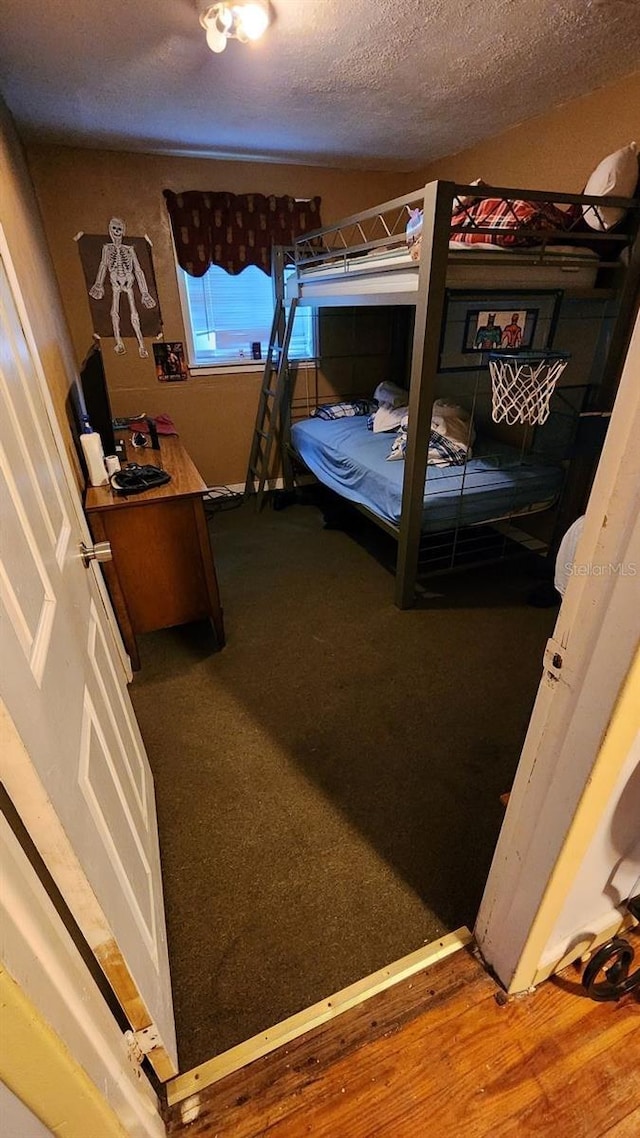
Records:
x=522, y=386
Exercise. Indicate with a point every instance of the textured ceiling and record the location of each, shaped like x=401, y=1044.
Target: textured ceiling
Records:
x=379, y=84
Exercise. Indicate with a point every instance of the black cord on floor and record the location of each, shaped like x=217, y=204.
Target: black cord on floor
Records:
x=217, y=498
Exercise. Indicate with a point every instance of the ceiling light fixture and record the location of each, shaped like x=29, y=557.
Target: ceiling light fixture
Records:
x=242, y=20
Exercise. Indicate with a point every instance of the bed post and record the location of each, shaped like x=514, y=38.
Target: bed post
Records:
x=438, y=200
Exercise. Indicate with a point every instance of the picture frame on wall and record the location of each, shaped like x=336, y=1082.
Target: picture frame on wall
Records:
x=171, y=365
x=483, y=321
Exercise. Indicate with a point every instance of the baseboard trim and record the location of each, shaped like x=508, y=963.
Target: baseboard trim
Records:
x=222, y=1065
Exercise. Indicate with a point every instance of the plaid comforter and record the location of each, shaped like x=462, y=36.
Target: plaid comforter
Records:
x=442, y=451
x=506, y=217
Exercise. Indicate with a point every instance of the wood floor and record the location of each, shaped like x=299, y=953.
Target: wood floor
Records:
x=444, y=1054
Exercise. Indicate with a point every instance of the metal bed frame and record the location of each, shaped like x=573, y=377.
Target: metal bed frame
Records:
x=384, y=226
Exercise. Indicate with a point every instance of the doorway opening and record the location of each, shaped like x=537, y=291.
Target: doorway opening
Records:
x=328, y=787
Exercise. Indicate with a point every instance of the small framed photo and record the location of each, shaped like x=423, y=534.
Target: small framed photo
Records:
x=171, y=366
x=481, y=322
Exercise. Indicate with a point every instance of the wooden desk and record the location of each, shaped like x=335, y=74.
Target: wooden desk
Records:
x=162, y=571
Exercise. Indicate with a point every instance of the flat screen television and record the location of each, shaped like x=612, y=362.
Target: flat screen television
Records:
x=96, y=397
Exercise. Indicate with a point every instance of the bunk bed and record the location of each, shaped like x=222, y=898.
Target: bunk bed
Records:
x=364, y=260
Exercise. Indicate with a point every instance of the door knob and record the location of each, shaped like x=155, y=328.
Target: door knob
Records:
x=101, y=551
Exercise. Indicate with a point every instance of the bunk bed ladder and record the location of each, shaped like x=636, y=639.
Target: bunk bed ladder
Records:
x=272, y=391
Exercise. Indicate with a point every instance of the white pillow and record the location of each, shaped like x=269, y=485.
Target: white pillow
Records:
x=392, y=408
x=616, y=176
x=388, y=418
x=467, y=199
x=388, y=392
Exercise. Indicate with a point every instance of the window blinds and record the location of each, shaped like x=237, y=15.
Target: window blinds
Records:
x=230, y=313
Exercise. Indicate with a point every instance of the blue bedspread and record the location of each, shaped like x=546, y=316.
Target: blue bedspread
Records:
x=497, y=482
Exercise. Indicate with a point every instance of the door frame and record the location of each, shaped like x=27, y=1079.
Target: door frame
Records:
x=569, y=763
x=63, y=1053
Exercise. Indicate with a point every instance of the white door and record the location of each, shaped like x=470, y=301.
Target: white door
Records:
x=567, y=775
x=81, y=779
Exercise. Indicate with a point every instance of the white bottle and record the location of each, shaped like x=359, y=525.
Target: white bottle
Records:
x=94, y=455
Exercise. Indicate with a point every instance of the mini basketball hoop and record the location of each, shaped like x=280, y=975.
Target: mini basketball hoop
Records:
x=522, y=384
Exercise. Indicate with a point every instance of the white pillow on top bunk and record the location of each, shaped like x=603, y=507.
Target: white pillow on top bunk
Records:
x=467, y=199
x=617, y=177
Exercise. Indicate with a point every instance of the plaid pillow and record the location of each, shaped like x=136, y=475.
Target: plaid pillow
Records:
x=507, y=217
x=343, y=410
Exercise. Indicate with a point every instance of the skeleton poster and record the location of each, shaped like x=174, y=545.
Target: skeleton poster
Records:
x=121, y=286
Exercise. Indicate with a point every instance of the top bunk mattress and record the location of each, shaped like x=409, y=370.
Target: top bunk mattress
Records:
x=498, y=482
x=469, y=266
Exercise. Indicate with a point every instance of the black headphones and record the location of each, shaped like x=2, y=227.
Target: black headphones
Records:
x=133, y=478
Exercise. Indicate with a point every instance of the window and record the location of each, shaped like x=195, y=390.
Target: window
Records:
x=227, y=314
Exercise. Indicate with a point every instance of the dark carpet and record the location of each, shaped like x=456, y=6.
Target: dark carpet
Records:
x=328, y=785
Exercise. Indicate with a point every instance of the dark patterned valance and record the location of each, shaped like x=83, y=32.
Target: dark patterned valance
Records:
x=235, y=230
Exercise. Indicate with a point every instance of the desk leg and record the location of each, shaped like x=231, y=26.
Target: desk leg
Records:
x=211, y=580
x=99, y=533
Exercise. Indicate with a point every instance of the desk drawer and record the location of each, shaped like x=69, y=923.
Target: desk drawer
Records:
x=158, y=562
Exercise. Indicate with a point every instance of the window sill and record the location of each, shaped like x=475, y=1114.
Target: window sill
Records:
x=226, y=369
x=249, y=366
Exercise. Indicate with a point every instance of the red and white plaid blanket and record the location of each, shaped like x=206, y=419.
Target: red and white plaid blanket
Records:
x=506, y=218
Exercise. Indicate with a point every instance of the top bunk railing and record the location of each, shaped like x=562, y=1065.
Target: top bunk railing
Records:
x=378, y=226
x=384, y=227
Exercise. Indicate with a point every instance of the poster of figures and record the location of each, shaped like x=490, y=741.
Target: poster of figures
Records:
x=481, y=322
x=500, y=331
x=171, y=366
x=121, y=286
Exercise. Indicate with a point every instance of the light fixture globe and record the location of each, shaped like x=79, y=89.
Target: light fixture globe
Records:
x=254, y=19
x=242, y=20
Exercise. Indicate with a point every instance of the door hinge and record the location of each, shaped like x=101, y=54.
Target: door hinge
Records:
x=553, y=660
x=140, y=1043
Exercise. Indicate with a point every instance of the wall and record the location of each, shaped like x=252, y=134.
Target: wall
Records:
x=79, y=190
x=20, y=219
x=555, y=151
